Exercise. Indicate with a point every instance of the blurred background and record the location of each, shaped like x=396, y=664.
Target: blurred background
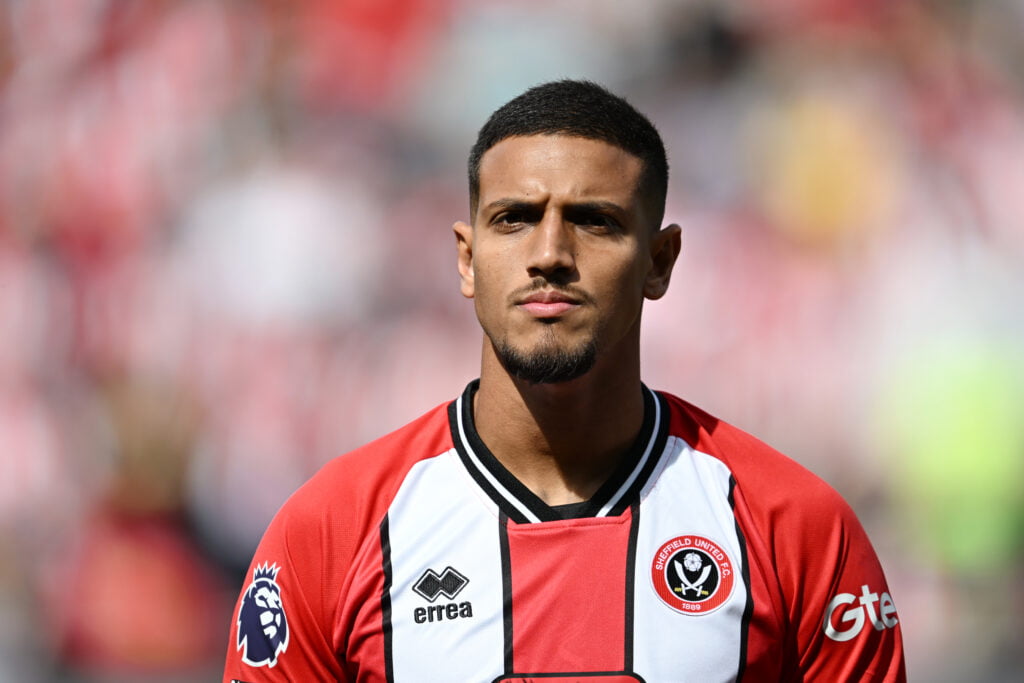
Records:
x=226, y=257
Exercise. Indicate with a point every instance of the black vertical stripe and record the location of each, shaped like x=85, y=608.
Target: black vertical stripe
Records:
x=634, y=532
x=506, y=589
x=385, y=601
x=748, y=609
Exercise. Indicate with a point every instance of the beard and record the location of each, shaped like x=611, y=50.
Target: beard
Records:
x=548, y=364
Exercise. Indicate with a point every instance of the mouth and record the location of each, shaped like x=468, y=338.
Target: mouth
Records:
x=548, y=304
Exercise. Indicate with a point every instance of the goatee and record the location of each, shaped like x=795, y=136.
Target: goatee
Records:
x=547, y=365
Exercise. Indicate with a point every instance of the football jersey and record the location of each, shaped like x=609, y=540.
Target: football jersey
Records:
x=707, y=556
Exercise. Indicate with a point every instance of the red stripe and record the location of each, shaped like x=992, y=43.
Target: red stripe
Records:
x=568, y=594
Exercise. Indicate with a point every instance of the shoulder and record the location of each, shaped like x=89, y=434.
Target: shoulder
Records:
x=775, y=499
x=329, y=519
x=362, y=482
x=809, y=548
x=315, y=542
x=767, y=477
x=349, y=496
x=789, y=515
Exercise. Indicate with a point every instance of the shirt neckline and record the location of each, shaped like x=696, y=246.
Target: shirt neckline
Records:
x=520, y=504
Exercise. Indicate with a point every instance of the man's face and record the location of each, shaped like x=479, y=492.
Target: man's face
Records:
x=561, y=254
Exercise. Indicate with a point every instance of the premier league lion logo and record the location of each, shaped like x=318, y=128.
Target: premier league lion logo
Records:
x=262, y=626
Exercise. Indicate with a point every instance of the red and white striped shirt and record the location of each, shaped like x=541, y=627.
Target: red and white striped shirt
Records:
x=707, y=556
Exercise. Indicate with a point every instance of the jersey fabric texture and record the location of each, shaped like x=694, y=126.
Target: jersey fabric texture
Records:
x=708, y=556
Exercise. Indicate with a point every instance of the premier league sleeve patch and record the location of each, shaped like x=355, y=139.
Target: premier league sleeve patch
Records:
x=692, y=574
x=262, y=624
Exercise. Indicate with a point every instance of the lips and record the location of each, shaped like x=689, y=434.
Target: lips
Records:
x=548, y=304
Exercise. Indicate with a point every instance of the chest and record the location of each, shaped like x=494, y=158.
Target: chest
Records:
x=658, y=593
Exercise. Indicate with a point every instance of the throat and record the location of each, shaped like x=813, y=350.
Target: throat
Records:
x=562, y=448
x=530, y=475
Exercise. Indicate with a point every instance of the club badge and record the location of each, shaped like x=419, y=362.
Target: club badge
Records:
x=692, y=574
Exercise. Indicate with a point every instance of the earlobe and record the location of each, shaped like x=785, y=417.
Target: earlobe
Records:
x=464, y=244
x=665, y=247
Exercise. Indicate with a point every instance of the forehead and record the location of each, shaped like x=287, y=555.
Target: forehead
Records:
x=559, y=165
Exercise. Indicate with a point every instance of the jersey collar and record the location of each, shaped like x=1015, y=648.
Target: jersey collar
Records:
x=520, y=504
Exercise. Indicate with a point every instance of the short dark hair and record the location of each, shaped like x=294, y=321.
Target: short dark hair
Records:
x=581, y=109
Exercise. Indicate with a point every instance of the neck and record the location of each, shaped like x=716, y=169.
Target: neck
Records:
x=562, y=441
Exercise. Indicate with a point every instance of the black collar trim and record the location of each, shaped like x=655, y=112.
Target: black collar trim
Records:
x=520, y=504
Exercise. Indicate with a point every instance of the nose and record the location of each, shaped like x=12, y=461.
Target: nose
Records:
x=552, y=247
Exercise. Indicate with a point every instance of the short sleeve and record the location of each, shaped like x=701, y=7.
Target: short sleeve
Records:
x=847, y=625
x=280, y=630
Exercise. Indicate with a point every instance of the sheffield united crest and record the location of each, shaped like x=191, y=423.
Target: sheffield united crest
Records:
x=692, y=574
x=262, y=624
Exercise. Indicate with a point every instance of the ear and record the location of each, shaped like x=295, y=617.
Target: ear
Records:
x=665, y=247
x=464, y=243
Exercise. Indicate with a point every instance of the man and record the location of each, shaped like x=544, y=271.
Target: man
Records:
x=560, y=520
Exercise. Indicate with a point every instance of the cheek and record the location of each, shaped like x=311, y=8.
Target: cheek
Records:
x=619, y=291
x=495, y=270
x=621, y=279
x=487, y=295
x=483, y=283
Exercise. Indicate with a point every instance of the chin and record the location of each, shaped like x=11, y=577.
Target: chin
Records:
x=547, y=363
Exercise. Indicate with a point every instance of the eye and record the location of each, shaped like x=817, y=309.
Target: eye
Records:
x=510, y=221
x=509, y=217
x=598, y=222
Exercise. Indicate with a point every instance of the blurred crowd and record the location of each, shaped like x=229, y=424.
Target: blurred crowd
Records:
x=226, y=257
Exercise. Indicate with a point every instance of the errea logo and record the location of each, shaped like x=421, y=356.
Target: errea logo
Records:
x=854, y=617
x=448, y=583
x=430, y=586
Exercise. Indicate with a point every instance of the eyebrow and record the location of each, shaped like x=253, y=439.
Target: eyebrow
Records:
x=505, y=204
x=596, y=207
x=524, y=205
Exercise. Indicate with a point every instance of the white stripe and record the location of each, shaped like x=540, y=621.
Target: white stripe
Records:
x=487, y=473
x=435, y=522
x=688, y=496
x=603, y=512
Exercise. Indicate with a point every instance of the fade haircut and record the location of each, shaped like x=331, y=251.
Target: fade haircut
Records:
x=580, y=109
